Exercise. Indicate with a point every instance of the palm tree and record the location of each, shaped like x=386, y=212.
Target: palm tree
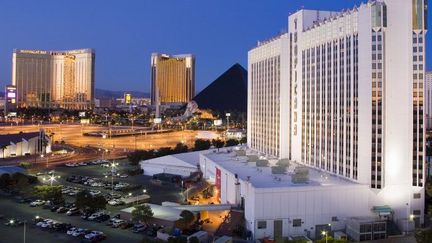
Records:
x=3, y=148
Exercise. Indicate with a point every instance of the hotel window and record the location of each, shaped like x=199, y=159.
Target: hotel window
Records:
x=417, y=195
x=297, y=223
x=262, y=225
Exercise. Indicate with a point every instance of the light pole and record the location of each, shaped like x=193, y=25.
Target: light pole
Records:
x=324, y=233
x=113, y=166
x=228, y=116
x=25, y=221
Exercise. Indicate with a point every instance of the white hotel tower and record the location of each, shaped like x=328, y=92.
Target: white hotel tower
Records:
x=342, y=92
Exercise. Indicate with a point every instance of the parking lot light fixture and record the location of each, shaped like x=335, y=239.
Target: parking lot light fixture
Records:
x=11, y=221
x=324, y=233
x=144, y=191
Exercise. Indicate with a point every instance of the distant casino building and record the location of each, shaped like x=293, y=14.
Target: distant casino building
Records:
x=54, y=79
x=172, y=78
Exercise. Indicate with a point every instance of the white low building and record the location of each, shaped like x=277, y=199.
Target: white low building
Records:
x=276, y=206
x=177, y=164
x=22, y=144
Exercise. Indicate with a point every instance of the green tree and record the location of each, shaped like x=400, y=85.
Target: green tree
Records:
x=330, y=240
x=201, y=144
x=25, y=165
x=47, y=192
x=138, y=155
x=424, y=236
x=85, y=201
x=5, y=180
x=180, y=148
x=243, y=140
x=164, y=151
x=218, y=143
x=142, y=213
x=21, y=180
x=186, y=220
x=231, y=142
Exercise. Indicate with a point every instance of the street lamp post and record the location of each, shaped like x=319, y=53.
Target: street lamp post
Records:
x=25, y=221
x=228, y=117
x=113, y=165
x=324, y=233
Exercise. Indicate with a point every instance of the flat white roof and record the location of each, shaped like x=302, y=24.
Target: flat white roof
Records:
x=190, y=159
x=262, y=177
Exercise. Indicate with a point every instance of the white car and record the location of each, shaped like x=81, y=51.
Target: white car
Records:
x=94, y=193
x=71, y=230
x=93, y=234
x=72, y=211
x=115, y=202
x=48, y=223
x=39, y=224
x=123, y=175
x=78, y=232
x=116, y=223
x=95, y=215
x=37, y=203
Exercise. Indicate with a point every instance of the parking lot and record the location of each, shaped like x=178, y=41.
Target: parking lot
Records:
x=10, y=208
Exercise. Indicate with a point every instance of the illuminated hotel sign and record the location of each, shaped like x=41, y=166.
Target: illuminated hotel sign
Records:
x=54, y=53
x=33, y=52
x=11, y=94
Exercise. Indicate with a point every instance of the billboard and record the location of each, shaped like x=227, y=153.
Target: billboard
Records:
x=10, y=100
x=11, y=94
x=127, y=98
x=217, y=122
x=157, y=120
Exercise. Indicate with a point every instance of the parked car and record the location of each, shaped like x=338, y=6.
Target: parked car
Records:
x=98, y=238
x=93, y=234
x=126, y=225
x=73, y=211
x=71, y=230
x=115, y=202
x=54, y=208
x=37, y=203
x=61, y=210
x=85, y=215
x=137, y=228
x=78, y=232
x=117, y=222
x=94, y=216
x=102, y=218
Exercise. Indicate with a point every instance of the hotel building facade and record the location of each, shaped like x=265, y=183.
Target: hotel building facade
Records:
x=428, y=100
x=172, y=78
x=343, y=93
x=54, y=79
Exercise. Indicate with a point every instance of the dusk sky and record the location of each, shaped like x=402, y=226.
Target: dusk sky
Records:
x=125, y=33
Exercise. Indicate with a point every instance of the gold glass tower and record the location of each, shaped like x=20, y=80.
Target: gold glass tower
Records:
x=173, y=78
x=54, y=79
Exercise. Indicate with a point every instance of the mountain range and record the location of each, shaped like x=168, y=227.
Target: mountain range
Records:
x=103, y=93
